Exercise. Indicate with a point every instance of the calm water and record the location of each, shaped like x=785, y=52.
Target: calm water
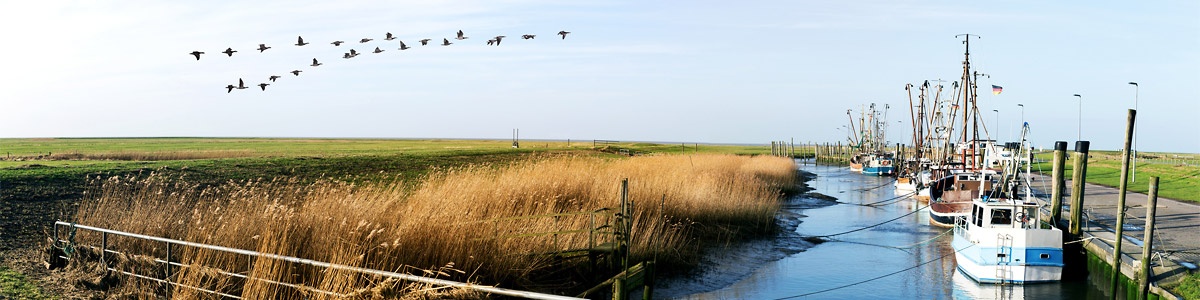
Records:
x=863, y=255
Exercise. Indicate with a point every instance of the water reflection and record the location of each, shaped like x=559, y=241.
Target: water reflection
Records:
x=854, y=265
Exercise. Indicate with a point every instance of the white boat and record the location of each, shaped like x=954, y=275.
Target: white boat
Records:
x=1001, y=242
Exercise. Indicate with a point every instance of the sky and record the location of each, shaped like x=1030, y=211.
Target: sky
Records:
x=669, y=71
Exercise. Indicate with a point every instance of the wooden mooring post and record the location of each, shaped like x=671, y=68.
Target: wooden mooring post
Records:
x=1078, y=182
x=1148, y=240
x=1123, y=186
x=1059, y=182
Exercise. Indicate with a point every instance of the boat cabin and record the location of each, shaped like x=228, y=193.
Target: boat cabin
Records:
x=1004, y=213
x=963, y=186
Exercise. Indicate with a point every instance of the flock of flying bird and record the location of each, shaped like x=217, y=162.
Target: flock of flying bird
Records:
x=353, y=53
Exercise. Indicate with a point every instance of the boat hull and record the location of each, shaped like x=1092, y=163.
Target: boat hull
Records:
x=880, y=171
x=1027, y=255
x=905, y=185
x=943, y=214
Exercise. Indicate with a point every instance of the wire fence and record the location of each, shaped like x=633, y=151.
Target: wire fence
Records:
x=163, y=264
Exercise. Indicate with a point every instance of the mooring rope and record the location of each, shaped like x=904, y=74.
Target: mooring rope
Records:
x=872, y=226
x=878, y=186
x=873, y=204
x=910, y=246
x=878, y=277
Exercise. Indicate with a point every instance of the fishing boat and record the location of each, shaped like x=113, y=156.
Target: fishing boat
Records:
x=1002, y=242
x=880, y=164
x=951, y=196
x=868, y=137
x=857, y=162
x=964, y=174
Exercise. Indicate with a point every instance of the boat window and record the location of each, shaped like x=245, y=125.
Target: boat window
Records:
x=977, y=215
x=1001, y=216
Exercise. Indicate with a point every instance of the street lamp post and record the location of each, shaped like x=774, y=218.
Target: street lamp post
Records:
x=1135, y=105
x=997, y=111
x=1079, y=130
x=1022, y=106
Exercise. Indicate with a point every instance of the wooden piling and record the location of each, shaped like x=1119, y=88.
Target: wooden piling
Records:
x=1148, y=240
x=1059, y=182
x=1130, y=120
x=1078, y=183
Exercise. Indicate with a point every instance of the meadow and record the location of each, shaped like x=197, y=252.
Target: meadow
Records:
x=1179, y=174
x=409, y=205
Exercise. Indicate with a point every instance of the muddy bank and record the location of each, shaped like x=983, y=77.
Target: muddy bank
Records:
x=723, y=266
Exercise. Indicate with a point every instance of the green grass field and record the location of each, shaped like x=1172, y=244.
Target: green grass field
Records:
x=1179, y=174
x=39, y=169
x=13, y=285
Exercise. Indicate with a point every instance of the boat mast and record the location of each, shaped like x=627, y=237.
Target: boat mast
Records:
x=968, y=104
x=853, y=131
x=916, y=131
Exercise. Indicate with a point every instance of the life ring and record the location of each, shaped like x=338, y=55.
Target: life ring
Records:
x=886, y=162
x=1022, y=217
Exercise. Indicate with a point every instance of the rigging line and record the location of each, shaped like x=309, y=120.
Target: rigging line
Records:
x=872, y=226
x=878, y=277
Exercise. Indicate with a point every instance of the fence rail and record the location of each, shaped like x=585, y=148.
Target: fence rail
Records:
x=169, y=263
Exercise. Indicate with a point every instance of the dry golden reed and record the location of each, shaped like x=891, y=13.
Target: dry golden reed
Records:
x=466, y=217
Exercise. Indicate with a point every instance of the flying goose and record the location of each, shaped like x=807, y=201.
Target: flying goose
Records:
x=346, y=55
x=262, y=47
x=300, y=41
x=273, y=77
x=316, y=63
x=528, y=36
x=424, y=42
x=564, y=34
x=377, y=50
x=498, y=38
x=337, y=43
x=196, y=54
x=403, y=46
x=446, y=42
x=241, y=84
x=229, y=51
x=296, y=72
x=229, y=88
x=389, y=37
x=364, y=40
x=353, y=53
x=460, y=36
x=263, y=85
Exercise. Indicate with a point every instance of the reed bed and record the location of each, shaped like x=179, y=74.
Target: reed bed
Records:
x=476, y=223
